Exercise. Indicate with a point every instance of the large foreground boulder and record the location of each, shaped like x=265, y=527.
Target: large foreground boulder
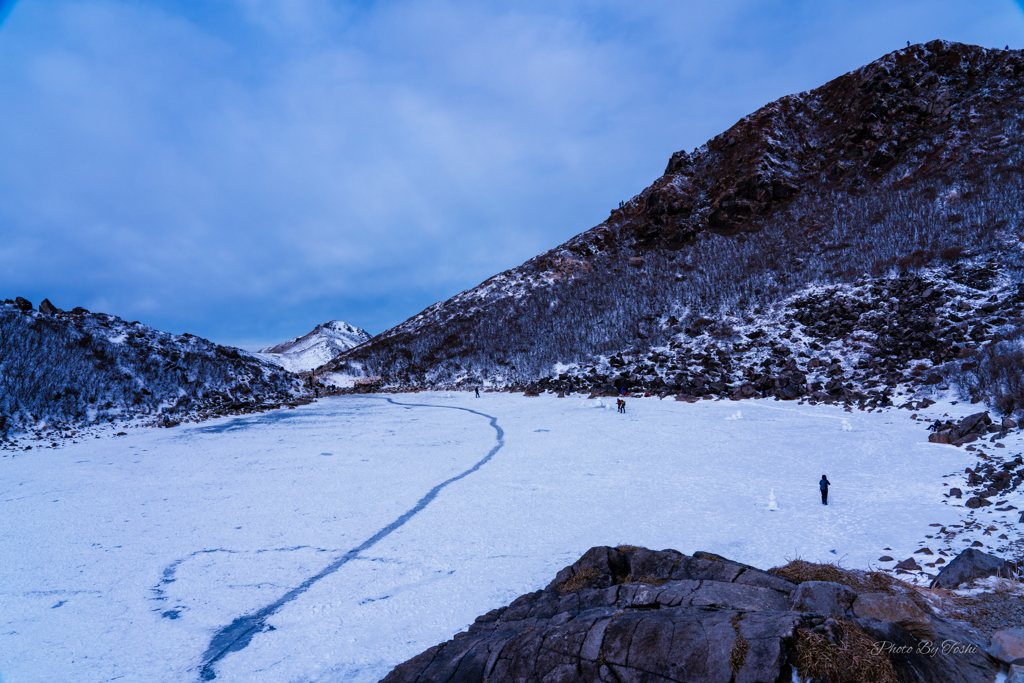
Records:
x=634, y=615
x=972, y=564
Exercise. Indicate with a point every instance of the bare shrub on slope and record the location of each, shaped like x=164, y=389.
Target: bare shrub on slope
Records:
x=88, y=367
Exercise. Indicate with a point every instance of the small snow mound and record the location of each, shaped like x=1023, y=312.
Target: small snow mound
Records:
x=738, y=415
x=847, y=427
x=772, y=503
x=991, y=584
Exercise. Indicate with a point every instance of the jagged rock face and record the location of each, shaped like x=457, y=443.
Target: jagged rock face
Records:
x=890, y=165
x=82, y=367
x=632, y=614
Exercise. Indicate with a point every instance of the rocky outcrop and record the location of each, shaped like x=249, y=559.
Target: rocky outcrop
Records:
x=630, y=614
x=973, y=564
x=823, y=597
x=1008, y=646
x=971, y=428
x=46, y=308
x=992, y=478
x=898, y=609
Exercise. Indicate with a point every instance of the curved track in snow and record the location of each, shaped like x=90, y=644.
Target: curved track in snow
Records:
x=239, y=633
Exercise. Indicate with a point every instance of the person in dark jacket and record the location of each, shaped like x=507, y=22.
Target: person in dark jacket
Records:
x=823, y=485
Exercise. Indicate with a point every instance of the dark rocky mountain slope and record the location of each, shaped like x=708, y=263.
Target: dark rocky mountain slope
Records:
x=80, y=367
x=910, y=163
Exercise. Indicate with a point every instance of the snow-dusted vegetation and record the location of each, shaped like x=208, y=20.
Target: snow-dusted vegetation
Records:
x=81, y=367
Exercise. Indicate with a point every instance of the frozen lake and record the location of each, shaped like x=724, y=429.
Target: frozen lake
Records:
x=331, y=542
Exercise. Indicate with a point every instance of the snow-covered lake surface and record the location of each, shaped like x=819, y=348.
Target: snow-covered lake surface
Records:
x=129, y=558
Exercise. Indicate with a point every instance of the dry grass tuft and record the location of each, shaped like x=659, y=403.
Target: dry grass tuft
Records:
x=853, y=659
x=578, y=580
x=799, y=571
x=740, y=646
x=627, y=548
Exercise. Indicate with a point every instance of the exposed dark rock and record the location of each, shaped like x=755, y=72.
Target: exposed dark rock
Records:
x=908, y=564
x=47, y=308
x=965, y=661
x=972, y=564
x=631, y=614
x=823, y=597
x=898, y=609
x=1008, y=646
x=23, y=305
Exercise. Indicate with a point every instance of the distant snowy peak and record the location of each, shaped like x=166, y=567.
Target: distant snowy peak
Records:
x=320, y=346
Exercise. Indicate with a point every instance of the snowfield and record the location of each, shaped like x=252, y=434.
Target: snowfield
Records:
x=353, y=533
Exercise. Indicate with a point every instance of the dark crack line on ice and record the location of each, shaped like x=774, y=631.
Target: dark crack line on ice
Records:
x=239, y=633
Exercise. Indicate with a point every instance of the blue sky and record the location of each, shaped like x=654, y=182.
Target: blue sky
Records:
x=245, y=169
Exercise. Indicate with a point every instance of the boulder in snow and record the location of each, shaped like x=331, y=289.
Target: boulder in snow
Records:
x=969, y=565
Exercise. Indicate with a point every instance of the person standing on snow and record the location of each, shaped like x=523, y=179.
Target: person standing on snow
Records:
x=823, y=485
x=477, y=390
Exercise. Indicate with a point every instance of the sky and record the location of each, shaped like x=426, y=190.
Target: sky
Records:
x=246, y=169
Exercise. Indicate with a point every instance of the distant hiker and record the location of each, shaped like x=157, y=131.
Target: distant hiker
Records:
x=621, y=404
x=622, y=391
x=823, y=485
x=908, y=43
x=935, y=427
x=477, y=390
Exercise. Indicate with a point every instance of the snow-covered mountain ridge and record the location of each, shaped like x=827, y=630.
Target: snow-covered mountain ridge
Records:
x=325, y=343
x=886, y=168
x=79, y=367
